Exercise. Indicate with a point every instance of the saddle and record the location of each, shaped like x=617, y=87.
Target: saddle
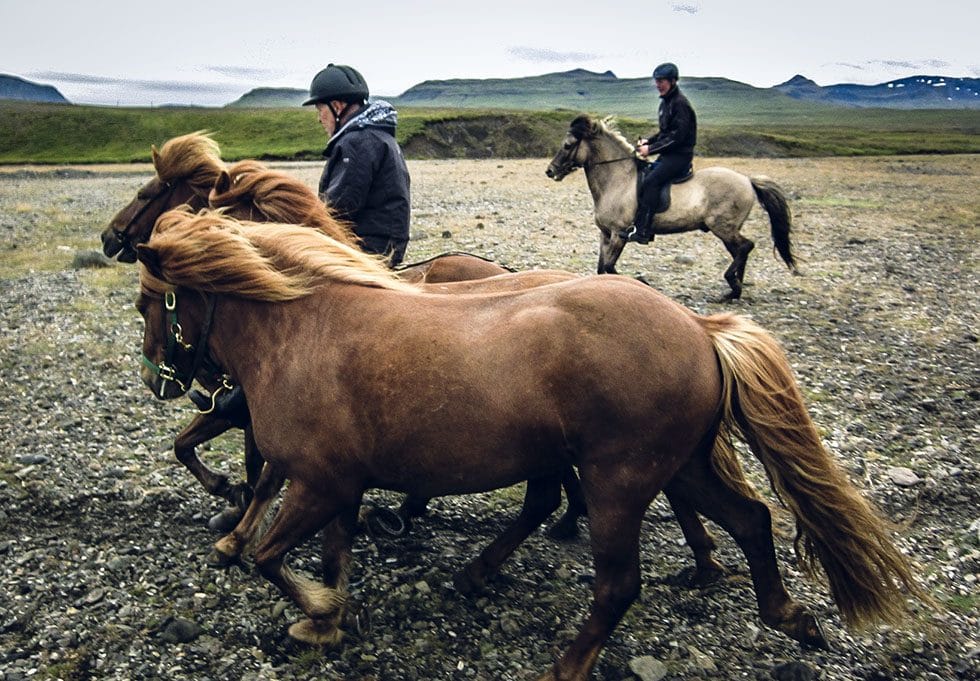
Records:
x=664, y=203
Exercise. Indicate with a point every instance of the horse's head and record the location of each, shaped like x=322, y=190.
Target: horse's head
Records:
x=573, y=153
x=185, y=167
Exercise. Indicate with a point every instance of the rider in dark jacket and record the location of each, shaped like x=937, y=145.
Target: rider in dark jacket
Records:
x=674, y=142
x=365, y=178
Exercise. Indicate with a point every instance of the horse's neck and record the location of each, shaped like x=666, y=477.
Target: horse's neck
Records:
x=612, y=183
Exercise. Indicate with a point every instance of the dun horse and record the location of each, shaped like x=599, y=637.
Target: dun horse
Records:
x=715, y=199
x=494, y=389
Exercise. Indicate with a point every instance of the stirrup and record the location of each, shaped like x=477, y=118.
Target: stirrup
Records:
x=628, y=233
x=635, y=235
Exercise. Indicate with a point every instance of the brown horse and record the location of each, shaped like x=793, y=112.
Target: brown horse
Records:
x=715, y=199
x=189, y=171
x=250, y=190
x=493, y=389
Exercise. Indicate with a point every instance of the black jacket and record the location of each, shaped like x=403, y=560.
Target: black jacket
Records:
x=365, y=179
x=678, y=126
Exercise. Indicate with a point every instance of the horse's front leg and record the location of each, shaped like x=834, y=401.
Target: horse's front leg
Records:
x=228, y=549
x=203, y=428
x=305, y=510
x=610, y=248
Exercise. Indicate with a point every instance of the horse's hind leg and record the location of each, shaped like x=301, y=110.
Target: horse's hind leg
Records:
x=541, y=498
x=567, y=526
x=614, y=525
x=739, y=248
x=707, y=570
x=749, y=522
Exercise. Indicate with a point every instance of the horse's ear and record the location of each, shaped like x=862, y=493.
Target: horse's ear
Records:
x=150, y=259
x=156, y=157
x=223, y=183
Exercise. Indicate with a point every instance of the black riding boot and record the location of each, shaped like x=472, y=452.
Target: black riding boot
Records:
x=228, y=404
x=641, y=230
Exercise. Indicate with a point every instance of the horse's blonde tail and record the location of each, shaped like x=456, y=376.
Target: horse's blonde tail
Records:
x=836, y=526
x=774, y=202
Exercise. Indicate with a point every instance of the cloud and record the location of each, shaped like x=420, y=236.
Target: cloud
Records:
x=168, y=86
x=535, y=54
x=244, y=73
x=895, y=65
x=685, y=7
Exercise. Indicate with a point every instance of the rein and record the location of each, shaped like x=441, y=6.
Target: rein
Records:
x=574, y=151
x=167, y=369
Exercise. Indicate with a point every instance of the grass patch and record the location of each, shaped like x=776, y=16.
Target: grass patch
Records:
x=58, y=134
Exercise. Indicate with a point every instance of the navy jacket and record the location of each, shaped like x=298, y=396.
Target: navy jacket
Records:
x=365, y=179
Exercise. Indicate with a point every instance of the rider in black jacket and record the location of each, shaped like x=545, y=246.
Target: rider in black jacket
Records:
x=674, y=142
x=365, y=178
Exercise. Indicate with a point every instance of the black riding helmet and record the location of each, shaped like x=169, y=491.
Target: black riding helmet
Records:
x=338, y=82
x=666, y=70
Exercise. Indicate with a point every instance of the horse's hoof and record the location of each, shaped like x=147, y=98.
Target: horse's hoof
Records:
x=466, y=584
x=565, y=529
x=807, y=631
x=707, y=576
x=316, y=633
x=224, y=553
x=218, y=559
x=225, y=521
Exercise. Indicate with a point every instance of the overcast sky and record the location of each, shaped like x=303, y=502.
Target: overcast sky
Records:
x=209, y=52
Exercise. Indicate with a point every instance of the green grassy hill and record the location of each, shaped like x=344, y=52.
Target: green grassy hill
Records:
x=52, y=133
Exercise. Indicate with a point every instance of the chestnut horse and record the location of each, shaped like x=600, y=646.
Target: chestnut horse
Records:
x=715, y=199
x=250, y=190
x=493, y=389
x=187, y=169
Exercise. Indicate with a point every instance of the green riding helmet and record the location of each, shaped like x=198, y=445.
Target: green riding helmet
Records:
x=667, y=70
x=338, y=82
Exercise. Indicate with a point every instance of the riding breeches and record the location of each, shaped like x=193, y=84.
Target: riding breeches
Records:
x=662, y=171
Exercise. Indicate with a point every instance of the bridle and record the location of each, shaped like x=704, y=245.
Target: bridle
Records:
x=569, y=166
x=122, y=235
x=167, y=370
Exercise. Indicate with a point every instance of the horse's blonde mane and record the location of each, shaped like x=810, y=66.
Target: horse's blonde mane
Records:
x=608, y=125
x=194, y=157
x=266, y=261
x=281, y=198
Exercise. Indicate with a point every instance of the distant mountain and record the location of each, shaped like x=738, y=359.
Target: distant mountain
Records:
x=915, y=92
x=12, y=87
x=267, y=97
x=717, y=99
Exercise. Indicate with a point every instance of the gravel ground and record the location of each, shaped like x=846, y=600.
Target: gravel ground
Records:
x=103, y=535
